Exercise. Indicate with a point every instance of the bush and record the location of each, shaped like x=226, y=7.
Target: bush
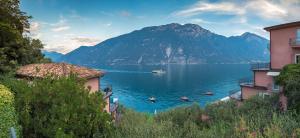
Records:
x=289, y=78
x=8, y=116
x=59, y=107
x=256, y=117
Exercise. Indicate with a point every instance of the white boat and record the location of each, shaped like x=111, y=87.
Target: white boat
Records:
x=158, y=71
x=152, y=99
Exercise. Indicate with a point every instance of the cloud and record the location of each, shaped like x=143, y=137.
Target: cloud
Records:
x=34, y=26
x=201, y=21
x=62, y=21
x=276, y=10
x=219, y=8
x=60, y=28
x=68, y=42
x=266, y=9
x=34, y=30
x=125, y=13
x=86, y=41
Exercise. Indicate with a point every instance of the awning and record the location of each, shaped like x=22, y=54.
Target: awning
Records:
x=272, y=73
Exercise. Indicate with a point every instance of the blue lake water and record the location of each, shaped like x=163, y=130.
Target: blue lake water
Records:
x=133, y=85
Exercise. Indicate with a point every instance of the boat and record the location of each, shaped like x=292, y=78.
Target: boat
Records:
x=184, y=98
x=158, y=71
x=152, y=99
x=209, y=93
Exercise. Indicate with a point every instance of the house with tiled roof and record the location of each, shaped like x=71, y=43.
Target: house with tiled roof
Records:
x=63, y=69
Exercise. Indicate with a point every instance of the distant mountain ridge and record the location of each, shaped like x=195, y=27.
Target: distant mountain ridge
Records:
x=54, y=56
x=172, y=44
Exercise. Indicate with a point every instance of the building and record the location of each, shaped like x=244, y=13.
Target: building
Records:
x=284, y=49
x=63, y=69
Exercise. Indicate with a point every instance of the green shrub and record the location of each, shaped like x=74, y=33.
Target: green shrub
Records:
x=59, y=107
x=256, y=117
x=8, y=116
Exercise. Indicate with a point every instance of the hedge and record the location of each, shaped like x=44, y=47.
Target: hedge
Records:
x=8, y=115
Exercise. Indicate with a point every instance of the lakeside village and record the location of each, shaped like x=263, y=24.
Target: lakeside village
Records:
x=46, y=100
x=284, y=49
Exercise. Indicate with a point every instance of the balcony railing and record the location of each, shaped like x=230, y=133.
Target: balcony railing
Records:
x=260, y=66
x=235, y=94
x=295, y=42
x=246, y=81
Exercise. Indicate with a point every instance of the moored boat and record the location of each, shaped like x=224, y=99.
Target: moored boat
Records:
x=158, y=71
x=152, y=99
x=184, y=98
x=209, y=93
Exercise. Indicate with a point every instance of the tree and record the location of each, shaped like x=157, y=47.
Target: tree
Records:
x=59, y=107
x=289, y=78
x=15, y=47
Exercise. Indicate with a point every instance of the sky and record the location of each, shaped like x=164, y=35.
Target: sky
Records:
x=64, y=25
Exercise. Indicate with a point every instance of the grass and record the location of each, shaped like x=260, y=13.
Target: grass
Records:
x=257, y=117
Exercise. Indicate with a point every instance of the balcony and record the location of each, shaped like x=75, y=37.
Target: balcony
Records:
x=235, y=94
x=260, y=66
x=295, y=42
x=246, y=81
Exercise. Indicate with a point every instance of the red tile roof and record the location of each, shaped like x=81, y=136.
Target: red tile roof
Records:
x=57, y=69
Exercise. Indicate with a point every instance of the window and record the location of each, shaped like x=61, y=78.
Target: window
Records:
x=263, y=94
x=275, y=87
x=297, y=58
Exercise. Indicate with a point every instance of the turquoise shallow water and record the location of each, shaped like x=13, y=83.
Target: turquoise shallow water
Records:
x=133, y=85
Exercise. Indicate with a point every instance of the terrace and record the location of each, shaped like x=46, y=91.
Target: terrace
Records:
x=235, y=94
x=294, y=42
x=260, y=66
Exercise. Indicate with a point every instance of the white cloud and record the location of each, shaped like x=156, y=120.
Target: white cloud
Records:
x=201, y=21
x=266, y=9
x=276, y=10
x=60, y=28
x=68, y=42
x=219, y=8
x=34, y=26
x=86, y=41
x=34, y=30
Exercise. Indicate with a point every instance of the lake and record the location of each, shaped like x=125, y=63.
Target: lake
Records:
x=133, y=85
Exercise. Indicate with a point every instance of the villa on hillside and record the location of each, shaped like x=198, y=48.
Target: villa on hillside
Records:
x=284, y=49
x=63, y=69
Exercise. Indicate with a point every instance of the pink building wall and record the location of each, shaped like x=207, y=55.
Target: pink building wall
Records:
x=248, y=92
x=262, y=79
x=93, y=83
x=281, y=51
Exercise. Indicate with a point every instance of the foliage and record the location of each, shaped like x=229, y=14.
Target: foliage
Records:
x=15, y=47
x=290, y=78
x=257, y=117
x=59, y=107
x=8, y=115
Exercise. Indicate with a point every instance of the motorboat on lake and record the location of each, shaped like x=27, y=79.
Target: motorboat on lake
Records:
x=209, y=93
x=152, y=99
x=184, y=98
x=158, y=71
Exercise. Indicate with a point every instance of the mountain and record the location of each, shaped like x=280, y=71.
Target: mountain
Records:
x=54, y=56
x=172, y=44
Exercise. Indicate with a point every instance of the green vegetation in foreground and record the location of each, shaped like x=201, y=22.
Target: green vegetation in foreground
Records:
x=290, y=78
x=257, y=117
x=8, y=115
x=58, y=107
